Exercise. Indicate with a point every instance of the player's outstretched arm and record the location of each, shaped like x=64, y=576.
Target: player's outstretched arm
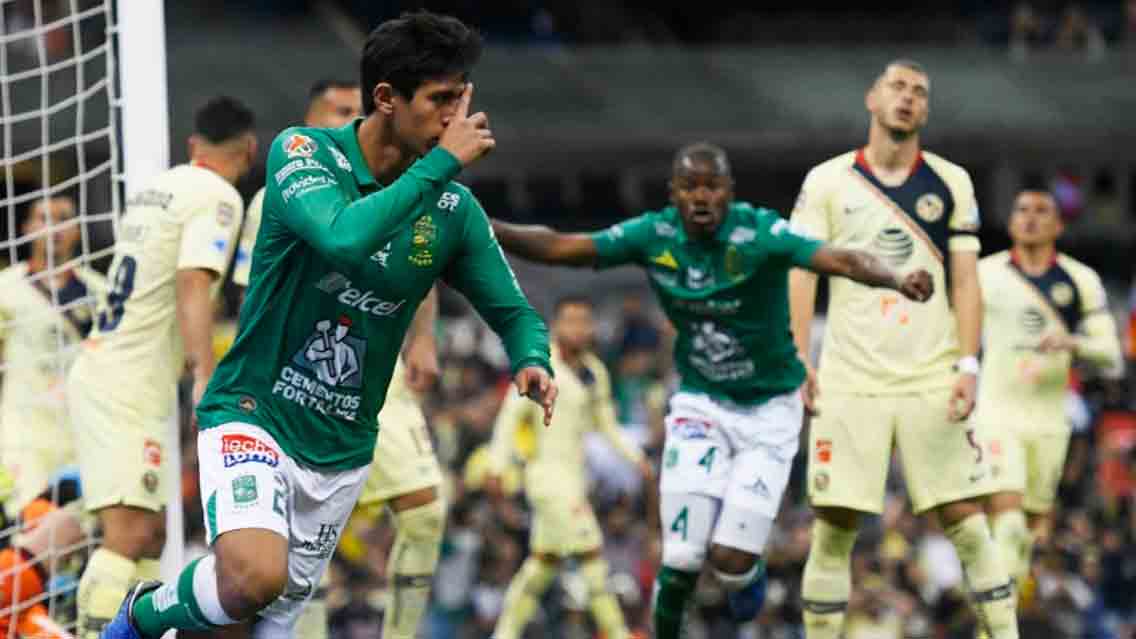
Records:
x=867, y=269
x=545, y=245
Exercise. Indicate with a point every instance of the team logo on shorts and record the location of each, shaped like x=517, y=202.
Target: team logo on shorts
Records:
x=239, y=449
x=150, y=481
x=686, y=428
x=930, y=207
x=820, y=481
x=299, y=146
x=244, y=490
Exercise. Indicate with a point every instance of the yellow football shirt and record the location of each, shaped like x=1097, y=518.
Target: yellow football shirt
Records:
x=877, y=341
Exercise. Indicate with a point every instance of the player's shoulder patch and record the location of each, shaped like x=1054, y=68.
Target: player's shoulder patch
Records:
x=299, y=145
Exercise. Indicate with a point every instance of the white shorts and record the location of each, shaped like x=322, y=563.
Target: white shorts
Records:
x=248, y=482
x=725, y=469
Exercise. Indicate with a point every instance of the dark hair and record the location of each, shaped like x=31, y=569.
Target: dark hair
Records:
x=906, y=63
x=571, y=300
x=702, y=152
x=223, y=118
x=323, y=85
x=413, y=48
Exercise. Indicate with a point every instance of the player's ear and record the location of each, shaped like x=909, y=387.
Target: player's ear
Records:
x=383, y=96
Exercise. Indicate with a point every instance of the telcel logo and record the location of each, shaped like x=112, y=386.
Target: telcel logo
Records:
x=337, y=284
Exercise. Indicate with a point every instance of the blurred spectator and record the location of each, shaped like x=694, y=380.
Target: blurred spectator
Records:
x=1028, y=31
x=1078, y=32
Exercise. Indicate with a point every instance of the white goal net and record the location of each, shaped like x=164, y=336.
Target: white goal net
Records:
x=60, y=132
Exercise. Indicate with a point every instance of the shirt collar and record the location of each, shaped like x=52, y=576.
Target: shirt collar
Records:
x=347, y=137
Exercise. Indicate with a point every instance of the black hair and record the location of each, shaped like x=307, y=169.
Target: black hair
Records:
x=324, y=84
x=223, y=118
x=572, y=300
x=413, y=48
x=702, y=152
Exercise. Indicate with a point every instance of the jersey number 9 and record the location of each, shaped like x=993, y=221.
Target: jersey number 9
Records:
x=122, y=287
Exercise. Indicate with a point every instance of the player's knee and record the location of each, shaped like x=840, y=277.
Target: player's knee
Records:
x=134, y=533
x=831, y=545
x=684, y=556
x=247, y=580
x=731, y=561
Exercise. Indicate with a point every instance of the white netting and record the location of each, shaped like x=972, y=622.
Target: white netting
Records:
x=59, y=138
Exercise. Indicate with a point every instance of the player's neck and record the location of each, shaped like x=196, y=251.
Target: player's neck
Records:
x=1035, y=259
x=37, y=263
x=385, y=159
x=220, y=167
x=569, y=356
x=889, y=156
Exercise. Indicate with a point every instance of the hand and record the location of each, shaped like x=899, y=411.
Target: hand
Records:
x=917, y=286
x=962, y=397
x=493, y=487
x=810, y=390
x=467, y=137
x=1058, y=342
x=535, y=383
x=421, y=360
x=646, y=470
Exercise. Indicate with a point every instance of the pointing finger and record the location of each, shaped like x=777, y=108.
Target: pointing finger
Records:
x=464, y=100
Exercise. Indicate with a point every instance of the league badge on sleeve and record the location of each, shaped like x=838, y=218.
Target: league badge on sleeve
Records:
x=299, y=145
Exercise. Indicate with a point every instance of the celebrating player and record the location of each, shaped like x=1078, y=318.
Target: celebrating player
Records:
x=719, y=268
x=1043, y=309
x=891, y=370
x=45, y=310
x=358, y=222
x=564, y=525
x=405, y=474
x=175, y=240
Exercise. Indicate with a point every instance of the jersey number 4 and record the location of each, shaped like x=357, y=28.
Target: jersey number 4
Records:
x=122, y=285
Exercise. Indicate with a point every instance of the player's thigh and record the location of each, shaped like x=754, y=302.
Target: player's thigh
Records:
x=943, y=460
x=688, y=521
x=122, y=460
x=766, y=438
x=850, y=444
x=563, y=525
x=321, y=503
x=697, y=451
x=1045, y=453
x=404, y=458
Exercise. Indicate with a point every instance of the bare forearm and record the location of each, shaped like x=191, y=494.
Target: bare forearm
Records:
x=545, y=245
x=424, y=318
x=859, y=266
x=195, y=321
x=802, y=306
x=967, y=301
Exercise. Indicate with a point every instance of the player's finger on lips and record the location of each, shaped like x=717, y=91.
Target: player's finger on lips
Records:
x=464, y=100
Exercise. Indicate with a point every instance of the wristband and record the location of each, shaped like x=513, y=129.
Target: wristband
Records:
x=968, y=365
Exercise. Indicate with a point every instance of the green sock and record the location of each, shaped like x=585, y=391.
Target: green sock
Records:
x=673, y=589
x=171, y=607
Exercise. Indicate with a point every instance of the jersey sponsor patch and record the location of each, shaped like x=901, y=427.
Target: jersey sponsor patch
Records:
x=225, y=214
x=299, y=145
x=241, y=449
x=307, y=184
x=449, y=201
x=298, y=165
x=687, y=428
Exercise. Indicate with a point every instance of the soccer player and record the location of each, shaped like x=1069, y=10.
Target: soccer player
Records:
x=564, y=525
x=1043, y=309
x=45, y=311
x=174, y=243
x=405, y=474
x=288, y=424
x=719, y=268
x=890, y=370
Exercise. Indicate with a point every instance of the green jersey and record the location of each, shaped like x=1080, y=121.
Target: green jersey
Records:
x=727, y=297
x=339, y=267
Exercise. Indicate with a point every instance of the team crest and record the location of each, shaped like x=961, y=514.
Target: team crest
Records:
x=1062, y=294
x=734, y=264
x=929, y=207
x=422, y=242
x=299, y=146
x=225, y=214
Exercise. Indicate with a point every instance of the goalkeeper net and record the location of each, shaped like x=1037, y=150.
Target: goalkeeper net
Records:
x=59, y=201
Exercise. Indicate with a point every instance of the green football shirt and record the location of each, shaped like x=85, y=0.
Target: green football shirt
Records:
x=339, y=267
x=727, y=297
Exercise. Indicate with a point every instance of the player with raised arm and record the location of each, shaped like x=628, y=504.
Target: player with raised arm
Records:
x=1043, y=310
x=405, y=475
x=564, y=525
x=174, y=243
x=286, y=440
x=890, y=370
x=46, y=309
x=719, y=269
